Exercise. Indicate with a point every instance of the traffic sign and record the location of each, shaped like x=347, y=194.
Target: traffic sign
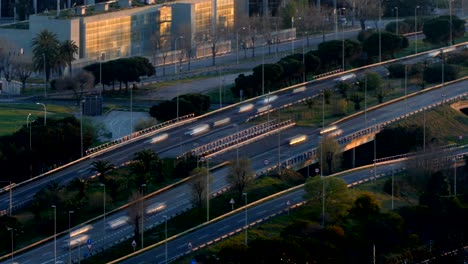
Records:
x=133, y=245
x=266, y=162
x=90, y=246
x=232, y=202
x=90, y=242
x=317, y=170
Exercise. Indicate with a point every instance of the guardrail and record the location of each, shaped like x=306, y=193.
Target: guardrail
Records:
x=137, y=134
x=237, y=139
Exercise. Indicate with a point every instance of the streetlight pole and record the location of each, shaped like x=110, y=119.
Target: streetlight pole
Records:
x=342, y=46
x=12, y=244
x=45, y=75
x=416, y=30
x=450, y=12
x=245, y=218
x=391, y=167
x=29, y=125
x=177, y=72
x=131, y=110
x=207, y=190
x=81, y=126
x=165, y=241
x=424, y=129
x=375, y=149
x=102, y=56
x=263, y=71
x=69, y=237
x=104, y=208
x=175, y=51
x=455, y=176
x=142, y=213
x=45, y=113
x=292, y=40
x=237, y=44
x=406, y=86
x=55, y=233
x=396, y=20
x=442, y=57
x=380, y=31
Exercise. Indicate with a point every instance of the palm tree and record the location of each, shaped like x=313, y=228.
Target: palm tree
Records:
x=68, y=50
x=147, y=162
x=45, y=51
x=101, y=167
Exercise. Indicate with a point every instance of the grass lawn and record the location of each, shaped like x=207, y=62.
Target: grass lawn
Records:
x=14, y=116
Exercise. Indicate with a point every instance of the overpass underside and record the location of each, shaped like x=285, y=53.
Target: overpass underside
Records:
x=307, y=159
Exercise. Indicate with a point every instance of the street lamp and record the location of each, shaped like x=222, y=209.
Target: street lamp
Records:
x=29, y=125
x=237, y=145
x=406, y=87
x=391, y=167
x=81, y=126
x=237, y=44
x=69, y=237
x=245, y=211
x=292, y=39
x=380, y=31
x=207, y=190
x=450, y=12
x=165, y=241
x=342, y=44
x=442, y=57
x=396, y=20
x=101, y=58
x=12, y=244
x=455, y=176
x=45, y=75
x=175, y=51
x=45, y=113
x=131, y=110
x=142, y=213
x=104, y=208
x=177, y=72
x=416, y=30
x=375, y=149
x=55, y=233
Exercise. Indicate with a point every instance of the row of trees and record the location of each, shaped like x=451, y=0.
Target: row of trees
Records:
x=436, y=29
x=124, y=71
x=329, y=55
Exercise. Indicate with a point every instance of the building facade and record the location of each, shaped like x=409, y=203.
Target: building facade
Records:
x=116, y=29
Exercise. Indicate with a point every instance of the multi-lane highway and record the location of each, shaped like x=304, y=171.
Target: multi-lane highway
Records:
x=178, y=199
x=253, y=214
